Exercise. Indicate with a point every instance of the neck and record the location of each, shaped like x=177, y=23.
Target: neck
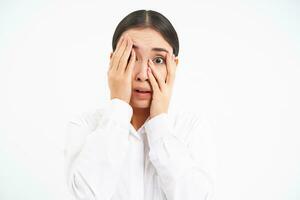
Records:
x=139, y=117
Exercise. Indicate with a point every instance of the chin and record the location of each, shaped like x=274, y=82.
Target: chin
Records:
x=140, y=103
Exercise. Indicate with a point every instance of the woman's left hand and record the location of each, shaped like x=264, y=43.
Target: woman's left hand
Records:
x=161, y=89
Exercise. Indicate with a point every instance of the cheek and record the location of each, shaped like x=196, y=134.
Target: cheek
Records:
x=134, y=72
x=163, y=71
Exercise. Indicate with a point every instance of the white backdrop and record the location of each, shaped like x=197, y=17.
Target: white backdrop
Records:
x=239, y=68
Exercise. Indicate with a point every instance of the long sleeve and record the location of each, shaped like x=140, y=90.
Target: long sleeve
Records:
x=180, y=176
x=94, y=156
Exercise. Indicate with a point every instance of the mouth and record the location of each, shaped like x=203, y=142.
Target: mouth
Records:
x=142, y=91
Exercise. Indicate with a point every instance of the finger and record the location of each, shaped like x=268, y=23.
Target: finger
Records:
x=114, y=53
x=124, y=59
x=153, y=82
x=170, y=69
x=131, y=63
x=118, y=53
x=157, y=76
x=119, y=42
x=113, y=60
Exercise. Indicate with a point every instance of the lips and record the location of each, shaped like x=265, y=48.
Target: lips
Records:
x=142, y=93
x=142, y=90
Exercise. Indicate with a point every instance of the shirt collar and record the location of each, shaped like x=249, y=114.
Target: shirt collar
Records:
x=138, y=133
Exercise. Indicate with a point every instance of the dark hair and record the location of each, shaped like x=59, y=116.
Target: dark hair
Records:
x=148, y=19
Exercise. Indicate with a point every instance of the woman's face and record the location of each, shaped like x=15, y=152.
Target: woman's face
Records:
x=148, y=44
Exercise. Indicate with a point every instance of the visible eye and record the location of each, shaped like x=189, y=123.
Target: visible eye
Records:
x=160, y=59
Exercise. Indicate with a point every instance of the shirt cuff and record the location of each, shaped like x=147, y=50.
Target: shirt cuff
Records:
x=120, y=111
x=158, y=127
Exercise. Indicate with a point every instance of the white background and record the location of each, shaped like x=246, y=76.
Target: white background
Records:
x=239, y=68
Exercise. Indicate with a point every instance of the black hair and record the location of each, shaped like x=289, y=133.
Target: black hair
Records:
x=148, y=19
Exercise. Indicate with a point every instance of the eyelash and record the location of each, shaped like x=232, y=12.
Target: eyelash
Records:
x=161, y=58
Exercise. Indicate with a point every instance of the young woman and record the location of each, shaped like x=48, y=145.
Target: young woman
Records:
x=132, y=149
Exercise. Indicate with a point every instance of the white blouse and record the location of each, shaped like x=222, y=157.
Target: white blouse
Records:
x=107, y=159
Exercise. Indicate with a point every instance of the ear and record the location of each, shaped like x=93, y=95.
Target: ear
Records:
x=176, y=60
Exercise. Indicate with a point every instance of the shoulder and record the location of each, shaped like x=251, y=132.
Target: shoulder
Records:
x=197, y=133
x=185, y=124
x=82, y=124
x=79, y=126
x=88, y=119
x=192, y=128
x=186, y=120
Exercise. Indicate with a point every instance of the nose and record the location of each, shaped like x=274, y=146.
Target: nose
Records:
x=141, y=68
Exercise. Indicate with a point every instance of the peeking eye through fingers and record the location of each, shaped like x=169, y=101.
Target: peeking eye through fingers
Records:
x=156, y=74
x=140, y=76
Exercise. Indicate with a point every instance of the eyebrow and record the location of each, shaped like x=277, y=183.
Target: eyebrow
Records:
x=153, y=49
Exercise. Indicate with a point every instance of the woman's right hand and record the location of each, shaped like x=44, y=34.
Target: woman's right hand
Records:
x=120, y=70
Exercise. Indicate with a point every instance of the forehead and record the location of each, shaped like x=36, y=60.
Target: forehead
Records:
x=147, y=38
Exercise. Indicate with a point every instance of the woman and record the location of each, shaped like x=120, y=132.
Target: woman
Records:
x=132, y=149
